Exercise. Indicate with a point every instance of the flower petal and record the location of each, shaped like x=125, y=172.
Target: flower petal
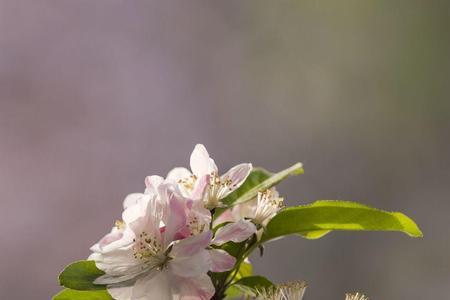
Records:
x=191, y=245
x=198, y=288
x=131, y=199
x=133, y=212
x=152, y=183
x=200, y=186
x=201, y=163
x=119, y=265
x=226, y=216
x=148, y=221
x=237, y=175
x=120, y=292
x=235, y=232
x=176, y=219
x=178, y=173
x=156, y=285
x=221, y=261
x=191, y=266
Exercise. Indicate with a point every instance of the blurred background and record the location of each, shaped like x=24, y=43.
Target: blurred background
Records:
x=95, y=95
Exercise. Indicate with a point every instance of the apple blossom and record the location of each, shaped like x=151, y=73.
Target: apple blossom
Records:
x=205, y=182
x=162, y=246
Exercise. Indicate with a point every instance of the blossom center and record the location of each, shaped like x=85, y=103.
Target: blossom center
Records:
x=195, y=226
x=267, y=206
x=147, y=247
x=189, y=182
x=217, y=188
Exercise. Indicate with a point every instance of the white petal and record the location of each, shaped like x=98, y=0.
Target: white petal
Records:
x=200, y=187
x=235, y=232
x=154, y=286
x=245, y=210
x=191, y=266
x=111, y=279
x=152, y=183
x=237, y=175
x=201, y=163
x=114, y=240
x=221, y=260
x=148, y=222
x=178, y=173
x=133, y=212
x=120, y=292
x=119, y=266
x=131, y=199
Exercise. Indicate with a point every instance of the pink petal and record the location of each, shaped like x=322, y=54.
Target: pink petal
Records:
x=201, y=163
x=176, y=220
x=235, y=232
x=191, y=245
x=221, y=261
x=237, y=175
x=198, y=288
x=226, y=216
x=200, y=187
x=193, y=265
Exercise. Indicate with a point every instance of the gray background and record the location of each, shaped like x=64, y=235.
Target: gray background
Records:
x=95, y=95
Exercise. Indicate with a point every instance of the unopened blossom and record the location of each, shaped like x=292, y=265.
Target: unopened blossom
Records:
x=204, y=181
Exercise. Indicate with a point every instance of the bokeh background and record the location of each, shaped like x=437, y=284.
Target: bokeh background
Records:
x=95, y=95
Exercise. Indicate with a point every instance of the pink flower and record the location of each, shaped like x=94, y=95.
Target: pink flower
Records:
x=148, y=256
x=259, y=210
x=161, y=249
x=205, y=182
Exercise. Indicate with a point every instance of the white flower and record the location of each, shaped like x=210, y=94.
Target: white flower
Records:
x=205, y=182
x=268, y=203
x=260, y=209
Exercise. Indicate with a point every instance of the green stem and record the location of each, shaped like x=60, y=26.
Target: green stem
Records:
x=235, y=270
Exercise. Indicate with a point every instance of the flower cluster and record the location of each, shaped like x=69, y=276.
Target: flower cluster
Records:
x=188, y=236
x=165, y=245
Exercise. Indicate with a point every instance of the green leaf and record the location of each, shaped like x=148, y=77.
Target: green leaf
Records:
x=247, y=286
x=68, y=294
x=245, y=270
x=260, y=180
x=256, y=176
x=80, y=275
x=317, y=219
x=254, y=282
x=234, y=249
